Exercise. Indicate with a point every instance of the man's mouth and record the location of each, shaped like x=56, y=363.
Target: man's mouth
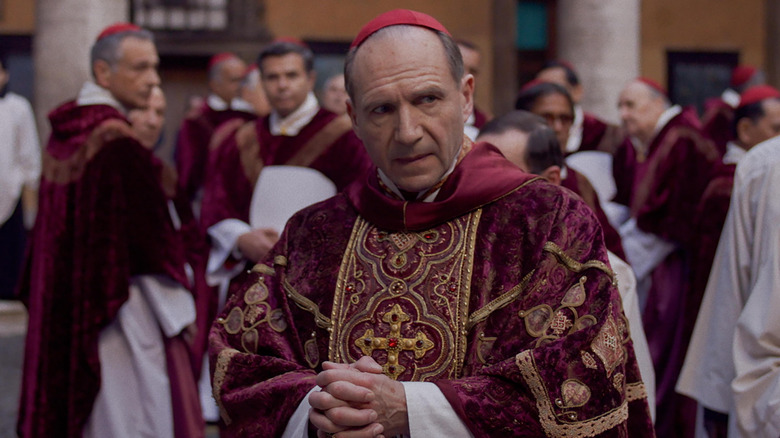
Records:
x=412, y=159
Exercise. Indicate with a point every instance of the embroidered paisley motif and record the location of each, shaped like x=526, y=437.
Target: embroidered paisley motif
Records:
x=255, y=312
x=547, y=325
x=608, y=344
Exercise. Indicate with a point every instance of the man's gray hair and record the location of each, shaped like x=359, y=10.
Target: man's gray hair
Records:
x=107, y=48
x=451, y=50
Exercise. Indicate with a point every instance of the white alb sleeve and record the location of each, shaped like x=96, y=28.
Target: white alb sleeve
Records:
x=430, y=414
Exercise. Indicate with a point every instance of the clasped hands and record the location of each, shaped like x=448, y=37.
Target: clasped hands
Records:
x=256, y=244
x=358, y=401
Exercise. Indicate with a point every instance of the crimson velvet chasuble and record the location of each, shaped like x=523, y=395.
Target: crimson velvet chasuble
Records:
x=499, y=292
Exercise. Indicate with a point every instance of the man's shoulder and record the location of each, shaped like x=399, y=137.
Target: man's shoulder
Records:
x=685, y=127
x=760, y=159
x=13, y=99
x=537, y=197
x=325, y=119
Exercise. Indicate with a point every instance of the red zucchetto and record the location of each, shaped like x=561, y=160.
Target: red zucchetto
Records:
x=397, y=17
x=290, y=39
x=741, y=74
x=221, y=57
x=653, y=84
x=757, y=94
x=532, y=83
x=117, y=28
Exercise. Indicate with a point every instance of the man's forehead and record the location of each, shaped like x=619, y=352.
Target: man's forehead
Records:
x=290, y=60
x=400, y=44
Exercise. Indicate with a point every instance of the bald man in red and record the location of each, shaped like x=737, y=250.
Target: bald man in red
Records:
x=447, y=293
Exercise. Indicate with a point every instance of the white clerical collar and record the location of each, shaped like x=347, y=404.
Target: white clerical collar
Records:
x=295, y=121
x=394, y=188
x=471, y=131
x=665, y=117
x=93, y=94
x=734, y=153
x=575, y=132
x=731, y=97
x=218, y=104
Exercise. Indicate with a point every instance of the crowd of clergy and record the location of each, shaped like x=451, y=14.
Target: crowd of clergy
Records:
x=133, y=255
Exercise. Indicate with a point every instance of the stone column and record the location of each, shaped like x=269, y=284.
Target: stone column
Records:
x=65, y=31
x=601, y=38
x=503, y=34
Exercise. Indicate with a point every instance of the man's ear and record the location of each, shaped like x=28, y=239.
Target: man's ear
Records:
x=312, y=79
x=744, y=126
x=552, y=174
x=577, y=92
x=102, y=72
x=467, y=89
x=352, y=116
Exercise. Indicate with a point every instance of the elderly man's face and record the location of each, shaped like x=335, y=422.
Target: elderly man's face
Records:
x=407, y=108
x=148, y=122
x=639, y=110
x=334, y=95
x=134, y=76
x=227, y=83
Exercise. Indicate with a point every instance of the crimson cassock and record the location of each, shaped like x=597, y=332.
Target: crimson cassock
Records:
x=102, y=218
x=710, y=217
x=239, y=153
x=598, y=135
x=718, y=122
x=663, y=187
x=579, y=184
x=192, y=145
x=480, y=118
x=499, y=292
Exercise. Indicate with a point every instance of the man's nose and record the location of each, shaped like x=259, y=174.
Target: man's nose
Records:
x=154, y=78
x=408, y=130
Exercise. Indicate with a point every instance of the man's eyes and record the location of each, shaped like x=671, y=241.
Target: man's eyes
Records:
x=428, y=99
x=381, y=109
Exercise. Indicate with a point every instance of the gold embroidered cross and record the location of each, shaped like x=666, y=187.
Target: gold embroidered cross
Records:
x=394, y=343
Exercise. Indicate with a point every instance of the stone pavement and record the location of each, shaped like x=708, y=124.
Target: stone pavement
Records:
x=13, y=326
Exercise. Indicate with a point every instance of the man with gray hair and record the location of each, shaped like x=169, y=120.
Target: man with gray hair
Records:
x=661, y=171
x=446, y=293
x=105, y=280
x=226, y=73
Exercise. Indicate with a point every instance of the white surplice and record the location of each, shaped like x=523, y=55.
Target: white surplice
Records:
x=733, y=362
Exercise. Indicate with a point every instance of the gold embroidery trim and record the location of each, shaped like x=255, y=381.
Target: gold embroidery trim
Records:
x=280, y=260
x=338, y=298
x=552, y=426
x=463, y=307
x=261, y=268
x=308, y=305
x=636, y=391
x=574, y=265
x=220, y=371
x=499, y=303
